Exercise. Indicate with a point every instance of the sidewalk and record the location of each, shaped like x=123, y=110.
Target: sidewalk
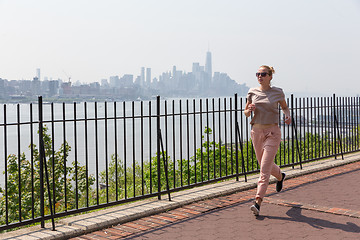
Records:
x=324, y=200
x=318, y=206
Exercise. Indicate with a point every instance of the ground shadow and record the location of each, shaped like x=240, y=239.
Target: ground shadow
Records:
x=295, y=215
x=314, y=181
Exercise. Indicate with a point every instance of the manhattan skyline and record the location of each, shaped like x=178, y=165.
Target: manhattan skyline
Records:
x=313, y=45
x=200, y=82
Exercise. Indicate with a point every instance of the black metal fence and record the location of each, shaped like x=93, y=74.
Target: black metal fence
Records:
x=62, y=159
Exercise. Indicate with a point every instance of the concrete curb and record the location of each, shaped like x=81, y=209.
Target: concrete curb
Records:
x=86, y=223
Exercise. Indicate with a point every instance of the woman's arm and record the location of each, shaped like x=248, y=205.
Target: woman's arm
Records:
x=249, y=107
x=286, y=111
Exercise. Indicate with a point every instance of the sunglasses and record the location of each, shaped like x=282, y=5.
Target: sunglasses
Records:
x=263, y=74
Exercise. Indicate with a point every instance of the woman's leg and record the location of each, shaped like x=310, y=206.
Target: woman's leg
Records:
x=258, y=138
x=266, y=144
x=267, y=168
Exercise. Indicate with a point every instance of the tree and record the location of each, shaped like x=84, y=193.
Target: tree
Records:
x=23, y=190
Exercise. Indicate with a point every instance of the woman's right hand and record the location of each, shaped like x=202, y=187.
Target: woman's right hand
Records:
x=251, y=107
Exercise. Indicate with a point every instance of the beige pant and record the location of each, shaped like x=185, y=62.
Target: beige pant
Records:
x=266, y=143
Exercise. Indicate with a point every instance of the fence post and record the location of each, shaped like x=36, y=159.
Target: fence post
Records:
x=292, y=132
x=42, y=162
x=6, y=169
x=236, y=139
x=158, y=145
x=334, y=124
x=336, y=130
x=42, y=213
x=165, y=161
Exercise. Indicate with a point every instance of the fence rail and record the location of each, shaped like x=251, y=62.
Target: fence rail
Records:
x=64, y=159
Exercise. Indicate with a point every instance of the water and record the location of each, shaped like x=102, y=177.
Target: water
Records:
x=121, y=128
x=136, y=136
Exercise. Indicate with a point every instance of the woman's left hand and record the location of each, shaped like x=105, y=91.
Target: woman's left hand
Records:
x=288, y=120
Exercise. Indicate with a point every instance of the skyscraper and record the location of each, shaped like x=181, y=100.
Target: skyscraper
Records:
x=38, y=73
x=195, y=67
x=208, y=66
x=142, y=82
x=148, y=76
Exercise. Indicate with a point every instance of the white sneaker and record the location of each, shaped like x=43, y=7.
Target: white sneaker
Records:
x=255, y=209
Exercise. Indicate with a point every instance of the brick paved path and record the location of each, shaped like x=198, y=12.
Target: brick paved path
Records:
x=322, y=205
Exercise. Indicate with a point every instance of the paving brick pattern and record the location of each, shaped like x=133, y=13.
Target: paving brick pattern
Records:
x=325, y=201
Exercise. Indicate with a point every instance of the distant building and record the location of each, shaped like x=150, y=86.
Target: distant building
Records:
x=148, y=76
x=35, y=86
x=208, y=66
x=114, y=81
x=38, y=73
x=142, y=82
x=66, y=88
x=127, y=80
x=195, y=67
x=104, y=83
x=2, y=88
x=53, y=88
x=138, y=80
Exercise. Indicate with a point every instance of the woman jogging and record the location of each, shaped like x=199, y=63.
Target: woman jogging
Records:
x=265, y=133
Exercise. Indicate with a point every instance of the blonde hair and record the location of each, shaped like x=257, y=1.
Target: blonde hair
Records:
x=271, y=70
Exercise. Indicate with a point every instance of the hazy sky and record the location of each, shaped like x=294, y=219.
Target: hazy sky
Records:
x=314, y=45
